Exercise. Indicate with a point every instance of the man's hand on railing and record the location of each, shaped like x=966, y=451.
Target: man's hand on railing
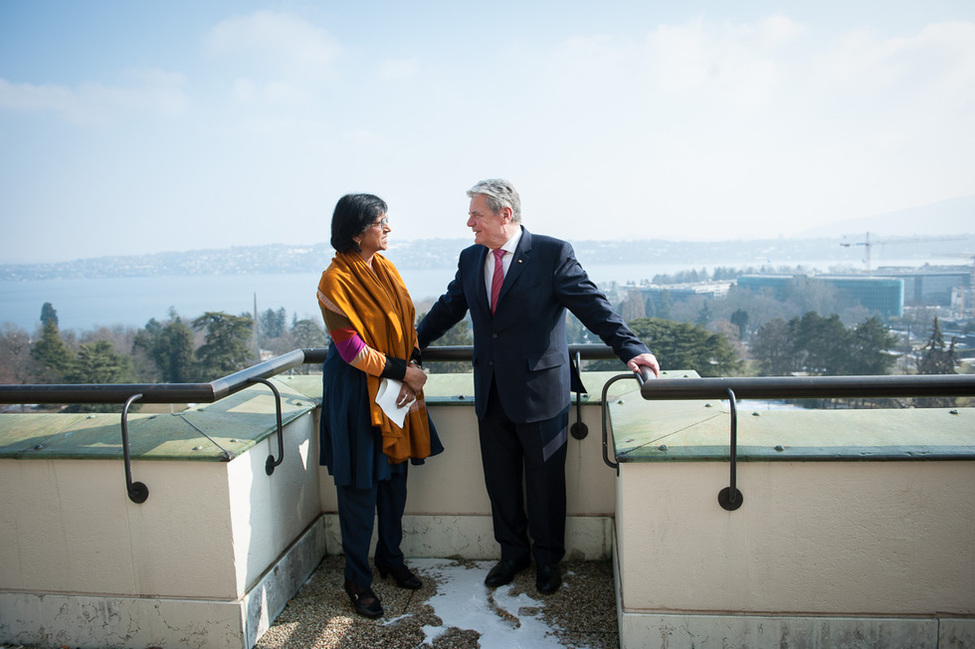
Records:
x=644, y=360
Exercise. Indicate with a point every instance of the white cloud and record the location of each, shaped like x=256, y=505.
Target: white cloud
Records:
x=244, y=90
x=290, y=45
x=28, y=97
x=150, y=92
x=399, y=69
x=734, y=64
x=778, y=29
x=286, y=94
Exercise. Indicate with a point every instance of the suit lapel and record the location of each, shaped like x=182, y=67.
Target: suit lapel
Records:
x=477, y=272
x=518, y=263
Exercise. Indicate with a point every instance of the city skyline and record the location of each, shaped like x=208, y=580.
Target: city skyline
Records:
x=134, y=129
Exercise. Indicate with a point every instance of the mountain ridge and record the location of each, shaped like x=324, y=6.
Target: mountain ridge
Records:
x=442, y=253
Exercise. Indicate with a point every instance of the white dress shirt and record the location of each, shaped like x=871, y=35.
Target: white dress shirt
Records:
x=509, y=253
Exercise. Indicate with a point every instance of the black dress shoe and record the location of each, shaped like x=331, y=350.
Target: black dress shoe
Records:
x=503, y=572
x=548, y=578
x=364, y=600
x=404, y=578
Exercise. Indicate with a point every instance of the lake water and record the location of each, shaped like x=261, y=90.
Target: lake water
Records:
x=85, y=304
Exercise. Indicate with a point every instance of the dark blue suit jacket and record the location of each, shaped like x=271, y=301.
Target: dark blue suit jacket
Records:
x=524, y=344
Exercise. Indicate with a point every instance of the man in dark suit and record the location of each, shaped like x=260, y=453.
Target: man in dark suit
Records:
x=517, y=286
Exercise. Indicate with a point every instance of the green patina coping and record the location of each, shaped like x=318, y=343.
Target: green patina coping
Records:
x=644, y=431
x=669, y=431
x=212, y=432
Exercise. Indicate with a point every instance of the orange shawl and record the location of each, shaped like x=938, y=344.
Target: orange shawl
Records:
x=377, y=303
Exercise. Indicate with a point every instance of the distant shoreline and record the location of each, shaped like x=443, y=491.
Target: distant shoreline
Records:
x=442, y=253
x=83, y=304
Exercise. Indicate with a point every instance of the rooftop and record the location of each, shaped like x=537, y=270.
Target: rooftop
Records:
x=453, y=609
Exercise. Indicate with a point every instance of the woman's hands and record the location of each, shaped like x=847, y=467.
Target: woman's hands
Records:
x=406, y=395
x=412, y=385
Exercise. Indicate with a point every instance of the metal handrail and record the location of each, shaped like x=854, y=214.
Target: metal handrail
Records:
x=159, y=392
x=127, y=393
x=794, y=387
x=812, y=387
x=227, y=385
x=945, y=385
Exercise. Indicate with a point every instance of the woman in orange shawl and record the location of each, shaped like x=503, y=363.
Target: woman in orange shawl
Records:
x=370, y=318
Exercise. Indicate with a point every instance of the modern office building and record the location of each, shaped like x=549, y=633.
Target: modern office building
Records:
x=884, y=295
x=932, y=286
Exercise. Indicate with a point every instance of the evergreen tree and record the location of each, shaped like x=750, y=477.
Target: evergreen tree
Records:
x=271, y=323
x=935, y=357
x=227, y=344
x=48, y=314
x=98, y=362
x=51, y=352
x=871, y=345
x=823, y=344
x=170, y=347
x=308, y=334
x=685, y=346
x=704, y=315
x=774, y=349
x=739, y=318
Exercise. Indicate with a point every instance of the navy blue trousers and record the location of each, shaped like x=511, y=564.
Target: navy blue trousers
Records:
x=386, y=501
x=525, y=463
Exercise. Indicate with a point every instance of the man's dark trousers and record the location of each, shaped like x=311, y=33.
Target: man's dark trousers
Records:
x=536, y=450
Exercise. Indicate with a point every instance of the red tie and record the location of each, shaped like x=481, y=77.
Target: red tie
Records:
x=498, y=278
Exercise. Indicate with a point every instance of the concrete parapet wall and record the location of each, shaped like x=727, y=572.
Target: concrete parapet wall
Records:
x=856, y=528
x=817, y=538
x=211, y=556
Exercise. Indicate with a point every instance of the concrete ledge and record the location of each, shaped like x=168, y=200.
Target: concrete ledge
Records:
x=112, y=621
x=587, y=538
x=265, y=601
x=668, y=630
x=672, y=631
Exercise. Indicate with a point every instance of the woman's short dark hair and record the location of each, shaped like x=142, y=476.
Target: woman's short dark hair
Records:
x=353, y=214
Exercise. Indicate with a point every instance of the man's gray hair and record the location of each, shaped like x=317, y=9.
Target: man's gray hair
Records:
x=500, y=193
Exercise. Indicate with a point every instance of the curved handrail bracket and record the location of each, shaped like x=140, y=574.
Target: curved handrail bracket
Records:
x=579, y=429
x=641, y=378
x=792, y=387
x=729, y=497
x=138, y=492
x=270, y=463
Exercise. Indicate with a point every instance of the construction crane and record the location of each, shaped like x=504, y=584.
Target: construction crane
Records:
x=867, y=244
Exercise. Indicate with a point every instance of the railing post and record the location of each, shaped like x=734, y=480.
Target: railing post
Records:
x=138, y=492
x=642, y=376
x=271, y=462
x=729, y=497
x=579, y=430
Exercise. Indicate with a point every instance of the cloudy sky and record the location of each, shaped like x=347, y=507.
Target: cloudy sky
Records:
x=136, y=127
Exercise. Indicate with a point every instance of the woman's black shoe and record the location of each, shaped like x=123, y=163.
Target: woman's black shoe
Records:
x=364, y=600
x=404, y=578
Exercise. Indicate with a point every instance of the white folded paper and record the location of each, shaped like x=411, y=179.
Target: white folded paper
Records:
x=389, y=391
